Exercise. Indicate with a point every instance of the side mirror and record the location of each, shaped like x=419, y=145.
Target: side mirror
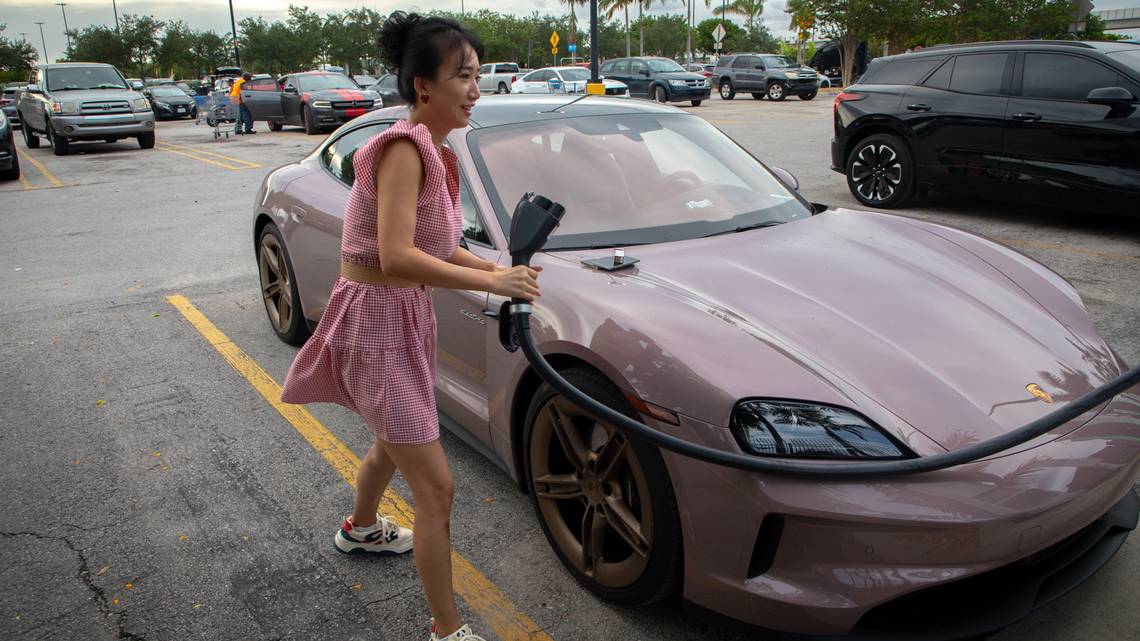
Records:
x=786, y=177
x=1118, y=99
x=645, y=72
x=136, y=85
x=33, y=89
x=290, y=90
x=760, y=67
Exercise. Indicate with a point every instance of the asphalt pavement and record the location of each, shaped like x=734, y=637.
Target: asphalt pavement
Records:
x=152, y=492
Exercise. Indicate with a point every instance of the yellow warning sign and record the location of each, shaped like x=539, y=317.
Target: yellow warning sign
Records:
x=554, y=39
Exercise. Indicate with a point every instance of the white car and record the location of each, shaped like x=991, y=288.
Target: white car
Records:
x=564, y=80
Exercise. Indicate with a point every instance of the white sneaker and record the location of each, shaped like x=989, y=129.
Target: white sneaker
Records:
x=385, y=537
x=462, y=633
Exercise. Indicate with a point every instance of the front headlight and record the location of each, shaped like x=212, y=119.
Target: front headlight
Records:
x=59, y=107
x=791, y=74
x=677, y=83
x=164, y=105
x=322, y=104
x=808, y=430
x=708, y=82
x=140, y=104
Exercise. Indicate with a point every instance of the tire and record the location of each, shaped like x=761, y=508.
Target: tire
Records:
x=695, y=103
x=727, y=91
x=13, y=172
x=660, y=94
x=59, y=144
x=639, y=487
x=502, y=88
x=880, y=171
x=194, y=113
x=776, y=91
x=757, y=96
x=307, y=120
x=31, y=141
x=274, y=125
x=808, y=96
x=279, y=287
x=146, y=141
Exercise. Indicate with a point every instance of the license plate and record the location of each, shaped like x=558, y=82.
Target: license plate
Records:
x=180, y=108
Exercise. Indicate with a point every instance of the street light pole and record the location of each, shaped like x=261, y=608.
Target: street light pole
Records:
x=233, y=30
x=66, y=31
x=594, y=43
x=44, y=41
x=116, y=8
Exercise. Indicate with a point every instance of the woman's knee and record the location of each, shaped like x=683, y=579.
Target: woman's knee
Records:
x=437, y=494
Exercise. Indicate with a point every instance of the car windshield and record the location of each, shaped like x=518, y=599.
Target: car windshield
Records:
x=77, y=78
x=172, y=92
x=364, y=81
x=1130, y=57
x=631, y=178
x=574, y=75
x=662, y=65
x=776, y=62
x=325, y=81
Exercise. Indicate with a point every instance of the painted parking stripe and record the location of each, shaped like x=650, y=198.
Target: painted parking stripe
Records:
x=230, y=163
x=481, y=595
x=26, y=184
x=55, y=182
x=211, y=154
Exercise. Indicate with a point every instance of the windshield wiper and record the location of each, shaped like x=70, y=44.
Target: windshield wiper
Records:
x=740, y=228
x=597, y=246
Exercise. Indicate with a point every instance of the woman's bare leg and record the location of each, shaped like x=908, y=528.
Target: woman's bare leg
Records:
x=372, y=479
x=425, y=469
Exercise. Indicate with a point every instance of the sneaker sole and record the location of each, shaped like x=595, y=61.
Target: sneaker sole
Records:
x=362, y=548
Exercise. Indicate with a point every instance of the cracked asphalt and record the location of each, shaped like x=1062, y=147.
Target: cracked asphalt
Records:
x=151, y=493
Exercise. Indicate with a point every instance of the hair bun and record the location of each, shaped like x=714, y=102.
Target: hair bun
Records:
x=394, y=37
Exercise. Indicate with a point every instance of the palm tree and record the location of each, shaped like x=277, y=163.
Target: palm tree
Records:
x=611, y=8
x=573, y=17
x=750, y=10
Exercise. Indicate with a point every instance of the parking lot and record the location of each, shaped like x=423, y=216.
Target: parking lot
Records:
x=155, y=490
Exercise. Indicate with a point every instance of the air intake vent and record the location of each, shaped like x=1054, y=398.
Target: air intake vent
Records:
x=767, y=541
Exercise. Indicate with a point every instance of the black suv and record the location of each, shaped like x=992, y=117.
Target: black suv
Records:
x=764, y=74
x=661, y=79
x=1049, y=122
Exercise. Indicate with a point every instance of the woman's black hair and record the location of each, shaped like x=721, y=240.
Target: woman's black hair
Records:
x=415, y=46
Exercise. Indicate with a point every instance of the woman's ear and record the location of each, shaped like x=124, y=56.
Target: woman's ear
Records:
x=419, y=85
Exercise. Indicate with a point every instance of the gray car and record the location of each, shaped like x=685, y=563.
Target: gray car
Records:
x=764, y=74
x=8, y=103
x=73, y=101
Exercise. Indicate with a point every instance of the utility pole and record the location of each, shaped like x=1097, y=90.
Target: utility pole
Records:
x=689, y=30
x=233, y=29
x=66, y=31
x=47, y=59
x=116, y=8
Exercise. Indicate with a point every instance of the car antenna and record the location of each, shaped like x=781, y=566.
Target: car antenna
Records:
x=566, y=105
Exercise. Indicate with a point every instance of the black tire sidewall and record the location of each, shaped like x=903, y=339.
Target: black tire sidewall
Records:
x=658, y=92
x=731, y=90
x=307, y=121
x=503, y=88
x=663, y=574
x=906, y=186
x=758, y=95
x=146, y=141
x=808, y=96
x=31, y=141
x=298, y=330
x=59, y=144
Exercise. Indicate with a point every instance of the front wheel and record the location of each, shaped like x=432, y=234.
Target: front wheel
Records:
x=146, y=141
x=604, y=500
x=807, y=96
x=727, y=92
x=695, y=103
x=279, y=287
x=59, y=144
x=274, y=125
x=757, y=96
x=776, y=91
x=13, y=172
x=660, y=94
x=307, y=120
x=880, y=172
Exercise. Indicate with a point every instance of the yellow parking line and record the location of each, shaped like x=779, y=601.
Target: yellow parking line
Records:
x=1068, y=248
x=201, y=152
x=44, y=170
x=26, y=184
x=483, y=596
x=201, y=159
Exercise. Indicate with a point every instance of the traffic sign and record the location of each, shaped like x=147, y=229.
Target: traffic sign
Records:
x=718, y=33
x=572, y=47
x=554, y=50
x=554, y=39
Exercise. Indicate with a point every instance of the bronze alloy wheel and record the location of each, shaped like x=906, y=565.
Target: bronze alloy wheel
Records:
x=278, y=290
x=602, y=499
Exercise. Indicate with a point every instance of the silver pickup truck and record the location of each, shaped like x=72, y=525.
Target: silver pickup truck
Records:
x=72, y=101
x=497, y=77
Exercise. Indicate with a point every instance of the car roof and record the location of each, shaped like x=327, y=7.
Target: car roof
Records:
x=1056, y=45
x=494, y=111
x=60, y=65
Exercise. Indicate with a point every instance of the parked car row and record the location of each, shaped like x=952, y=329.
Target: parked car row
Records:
x=315, y=100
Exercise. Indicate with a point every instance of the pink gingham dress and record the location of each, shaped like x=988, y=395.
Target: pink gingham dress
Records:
x=374, y=349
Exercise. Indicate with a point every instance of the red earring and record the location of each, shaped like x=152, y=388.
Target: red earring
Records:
x=424, y=98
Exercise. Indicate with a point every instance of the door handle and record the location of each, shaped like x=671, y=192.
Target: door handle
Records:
x=918, y=107
x=1027, y=117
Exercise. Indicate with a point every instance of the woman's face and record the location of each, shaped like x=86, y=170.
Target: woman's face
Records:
x=452, y=94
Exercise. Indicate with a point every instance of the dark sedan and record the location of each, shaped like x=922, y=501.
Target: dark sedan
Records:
x=386, y=87
x=168, y=101
x=9, y=161
x=315, y=100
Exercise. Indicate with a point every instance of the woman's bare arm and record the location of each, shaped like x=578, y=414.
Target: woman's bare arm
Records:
x=465, y=258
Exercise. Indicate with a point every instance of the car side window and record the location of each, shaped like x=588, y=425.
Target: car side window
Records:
x=509, y=68
x=1055, y=76
x=473, y=229
x=904, y=72
x=741, y=62
x=337, y=156
x=622, y=68
x=979, y=73
x=940, y=79
x=607, y=68
x=638, y=66
x=388, y=82
x=485, y=70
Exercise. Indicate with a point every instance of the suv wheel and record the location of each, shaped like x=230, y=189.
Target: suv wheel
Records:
x=880, y=172
x=146, y=141
x=59, y=145
x=31, y=141
x=808, y=96
x=776, y=91
x=503, y=88
x=727, y=92
x=758, y=96
x=659, y=94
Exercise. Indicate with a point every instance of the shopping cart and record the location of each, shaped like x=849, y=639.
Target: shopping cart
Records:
x=218, y=110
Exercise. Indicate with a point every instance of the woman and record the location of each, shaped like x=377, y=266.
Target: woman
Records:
x=374, y=349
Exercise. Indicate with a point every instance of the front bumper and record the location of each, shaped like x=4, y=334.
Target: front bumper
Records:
x=838, y=162
x=842, y=558
x=688, y=93
x=801, y=86
x=337, y=117
x=7, y=154
x=174, y=111
x=100, y=126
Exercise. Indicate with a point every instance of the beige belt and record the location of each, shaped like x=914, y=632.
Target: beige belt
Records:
x=372, y=276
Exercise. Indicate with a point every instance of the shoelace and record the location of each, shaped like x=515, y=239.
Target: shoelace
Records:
x=388, y=527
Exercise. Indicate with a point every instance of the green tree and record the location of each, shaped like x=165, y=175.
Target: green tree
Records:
x=611, y=7
x=750, y=10
x=734, y=36
x=175, y=53
x=209, y=51
x=139, y=35
x=16, y=58
x=848, y=21
x=663, y=35
x=99, y=43
x=308, y=30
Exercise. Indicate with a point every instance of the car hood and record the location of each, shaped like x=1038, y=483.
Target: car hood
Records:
x=173, y=100
x=340, y=95
x=96, y=94
x=892, y=313
x=678, y=75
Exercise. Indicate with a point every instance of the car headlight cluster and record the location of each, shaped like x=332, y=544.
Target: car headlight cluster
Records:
x=322, y=104
x=795, y=429
x=140, y=104
x=791, y=74
x=61, y=107
x=708, y=82
x=164, y=105
x=677, y=83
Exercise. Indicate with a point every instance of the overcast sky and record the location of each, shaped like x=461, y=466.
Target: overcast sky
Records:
x=22, y=15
